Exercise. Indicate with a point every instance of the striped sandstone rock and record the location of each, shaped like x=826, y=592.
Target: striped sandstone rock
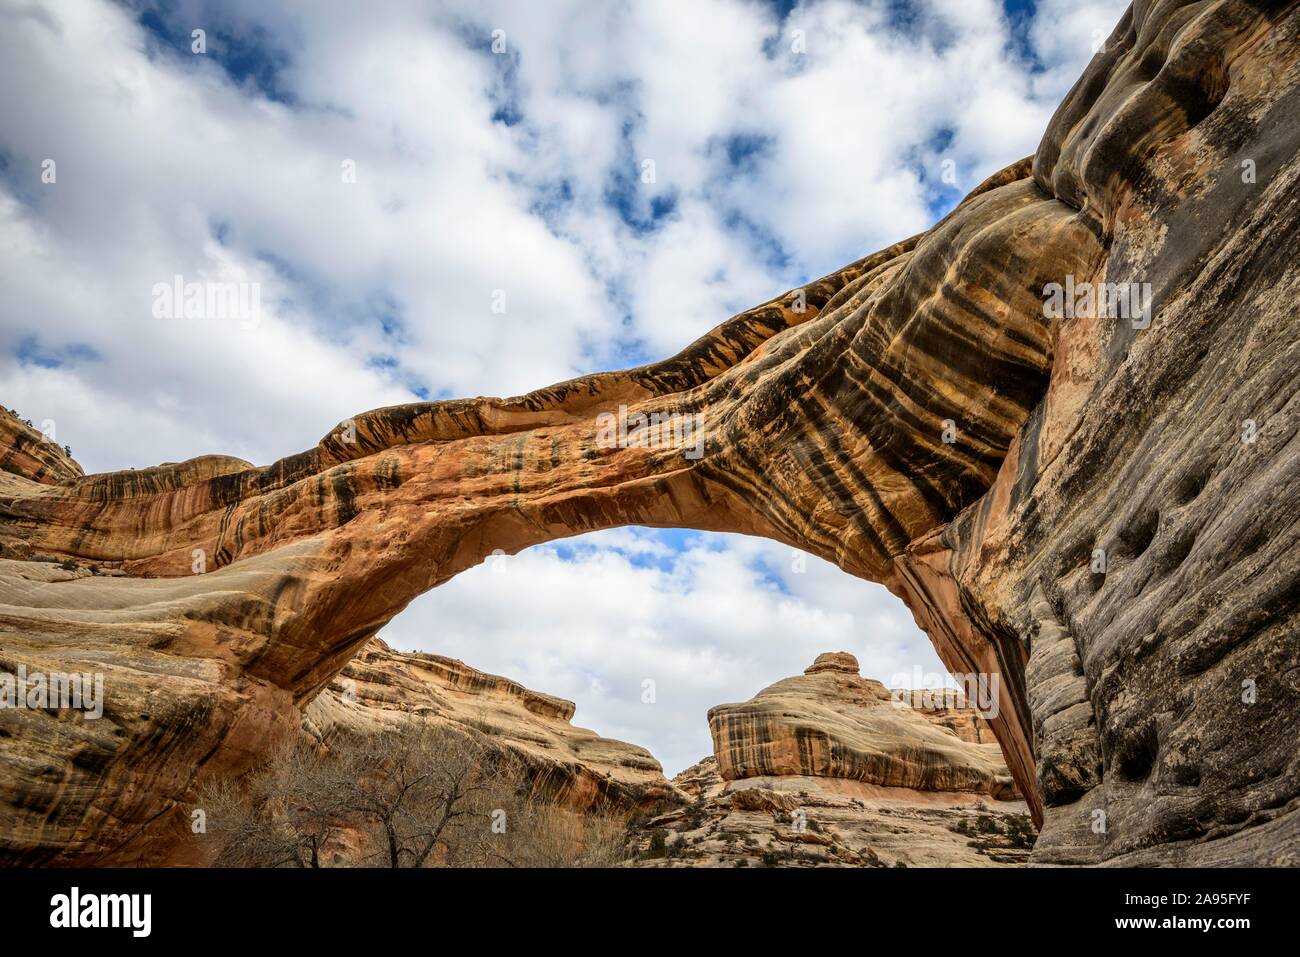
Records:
x=917, y=418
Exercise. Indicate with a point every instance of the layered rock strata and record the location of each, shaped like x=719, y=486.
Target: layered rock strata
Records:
x=830, y=722
x=1096, y=507
x=381, y=689
x=831, y=769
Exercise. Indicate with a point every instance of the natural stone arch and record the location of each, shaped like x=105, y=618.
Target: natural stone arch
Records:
x=825, y=431
x=306, y=559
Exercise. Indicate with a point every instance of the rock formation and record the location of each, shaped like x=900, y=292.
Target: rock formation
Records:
x=1094, y=503
x=832, y=723
x=948, y=708
x=831, y=769
x=795, y=821
x=29, y=454
x=382, y=689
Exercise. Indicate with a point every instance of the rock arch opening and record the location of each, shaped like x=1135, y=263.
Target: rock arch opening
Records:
x=646, y=630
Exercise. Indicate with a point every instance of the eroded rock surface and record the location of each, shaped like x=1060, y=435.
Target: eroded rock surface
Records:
x=830, y=722
x=382, y=689
x=948, y=708
x=831, y=769
x=916, y=417
x=796, y=821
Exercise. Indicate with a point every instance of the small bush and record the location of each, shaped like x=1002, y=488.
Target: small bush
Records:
x=658, y=843
x=1020, y=831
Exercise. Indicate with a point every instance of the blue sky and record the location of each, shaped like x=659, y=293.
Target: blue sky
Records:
x=620, y=177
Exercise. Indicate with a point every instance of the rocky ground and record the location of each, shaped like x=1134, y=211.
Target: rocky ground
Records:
x=801, y=821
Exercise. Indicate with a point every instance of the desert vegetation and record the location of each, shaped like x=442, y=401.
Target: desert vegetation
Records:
x=424, y=797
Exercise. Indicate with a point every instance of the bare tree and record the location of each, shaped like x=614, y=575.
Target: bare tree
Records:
x=429, y=795
x=422, y=787
x=539, y=834
x=283, y=815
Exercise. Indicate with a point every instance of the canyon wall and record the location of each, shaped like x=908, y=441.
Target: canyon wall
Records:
x=382, y=689
x=1098, y=509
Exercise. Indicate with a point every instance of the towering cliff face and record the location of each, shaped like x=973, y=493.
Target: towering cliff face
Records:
x=917, y=417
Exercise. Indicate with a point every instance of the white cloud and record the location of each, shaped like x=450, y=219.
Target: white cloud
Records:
x=772, y=166
x=712, y=623
x=384, y=286
x=1065, y=35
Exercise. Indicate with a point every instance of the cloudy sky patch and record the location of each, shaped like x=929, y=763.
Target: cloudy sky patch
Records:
x=614, y=178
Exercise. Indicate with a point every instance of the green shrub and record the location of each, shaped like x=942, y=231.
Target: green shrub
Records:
x=1020, y=831
x=658, y=843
